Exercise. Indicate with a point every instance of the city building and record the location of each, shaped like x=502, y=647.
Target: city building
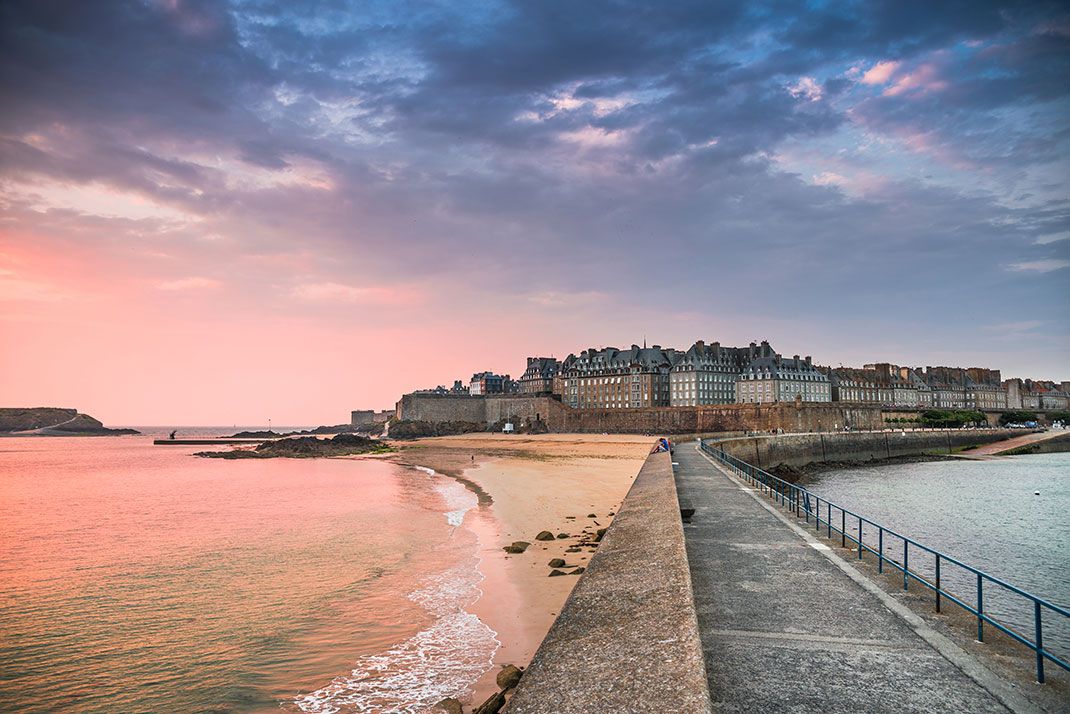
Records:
x=865, y=385
x=770, y=379
x=490, y=383
x=538, y=378
x=966, y=388
x=611, y=378
x=706, y=374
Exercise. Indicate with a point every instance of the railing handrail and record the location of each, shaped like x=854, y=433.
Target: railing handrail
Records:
x=798, y=493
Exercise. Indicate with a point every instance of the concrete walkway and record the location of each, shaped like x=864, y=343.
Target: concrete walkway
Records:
x=1014, y=443
x=784, y=629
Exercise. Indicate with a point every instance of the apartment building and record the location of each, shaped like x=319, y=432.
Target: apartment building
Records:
x=611, y=378
x=538, y=378
x=706, y=374
x=771, y=379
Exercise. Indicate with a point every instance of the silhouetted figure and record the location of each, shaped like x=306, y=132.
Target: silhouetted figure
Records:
x=173, y=434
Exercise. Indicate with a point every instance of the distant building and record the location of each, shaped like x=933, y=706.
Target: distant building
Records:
x=706, y=374
x=538, y=378
x=907, y=389
x=611, y=378
x=866, y=385
x=966, y=388
x=770, y=379
x=458, y=389
x=490, y=383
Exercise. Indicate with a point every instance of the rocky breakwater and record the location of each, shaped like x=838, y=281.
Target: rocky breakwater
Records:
x=306, y=447
x=53, y=421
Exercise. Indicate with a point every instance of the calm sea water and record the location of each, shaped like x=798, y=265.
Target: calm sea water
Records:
x=140, y=578
x=986, y=514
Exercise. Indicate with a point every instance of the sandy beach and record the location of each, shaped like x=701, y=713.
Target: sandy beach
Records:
x=562, y=483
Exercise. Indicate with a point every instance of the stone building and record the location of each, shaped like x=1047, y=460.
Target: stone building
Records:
x=538, y=378
x=865, y=386
x=490, y=383
x=706, y=374
x=773, y=379
x=901, y=386
x=966, y=388
x=611, y=378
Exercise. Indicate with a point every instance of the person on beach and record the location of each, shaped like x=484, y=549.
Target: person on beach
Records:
x=173, y=434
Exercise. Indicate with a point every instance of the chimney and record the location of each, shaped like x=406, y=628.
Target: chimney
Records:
x=808, y=360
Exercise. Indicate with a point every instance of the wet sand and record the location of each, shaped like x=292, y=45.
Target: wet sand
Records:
x=527, y=484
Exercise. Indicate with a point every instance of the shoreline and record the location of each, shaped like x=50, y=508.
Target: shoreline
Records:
x=526, y=485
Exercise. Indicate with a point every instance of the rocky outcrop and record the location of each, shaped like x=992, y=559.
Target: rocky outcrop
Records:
x=517, y=546
x=54, y=421
x=305, y=447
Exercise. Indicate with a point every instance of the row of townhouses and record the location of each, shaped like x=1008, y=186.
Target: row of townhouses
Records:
x=704, y=374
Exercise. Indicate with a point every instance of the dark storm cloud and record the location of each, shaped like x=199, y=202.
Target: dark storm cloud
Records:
x=536, y=137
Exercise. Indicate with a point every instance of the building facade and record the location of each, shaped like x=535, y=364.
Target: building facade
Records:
x=490, y=383
x=539, y=376
x=611, y=378
x=774, y=379
x=706, y=374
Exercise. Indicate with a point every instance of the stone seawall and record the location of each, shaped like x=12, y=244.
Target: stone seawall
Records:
x=627, y=638
x=710, y=419
x=798, y=450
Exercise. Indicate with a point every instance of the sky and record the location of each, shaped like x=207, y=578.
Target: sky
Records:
x=216, y=213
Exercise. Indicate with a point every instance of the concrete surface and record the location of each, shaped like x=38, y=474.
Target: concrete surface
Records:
x=785, y=630
x=627, y=639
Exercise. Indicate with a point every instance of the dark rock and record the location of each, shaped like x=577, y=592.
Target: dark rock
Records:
x=577, y=571
x=562, y=535
x=572, y=550
x=555, y=573
x=557, y=563
x=599, y=534
x=517, y=546
x=509, y=677
x=591, y=515
x=544, y=535
x=493, y=705
x=450, y=706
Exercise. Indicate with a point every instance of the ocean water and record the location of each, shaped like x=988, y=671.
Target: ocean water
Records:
x=1009, y=517
x=141, y=578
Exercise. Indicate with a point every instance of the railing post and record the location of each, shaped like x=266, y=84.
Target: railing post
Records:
x=906, y=562
x=1040, y=643
x=843, y=528
x=938, y=582
x=880, y=549
x=980, y=609
x=829, y=521
x=860, y=537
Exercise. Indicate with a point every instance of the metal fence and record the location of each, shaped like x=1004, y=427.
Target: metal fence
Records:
x=933, y=570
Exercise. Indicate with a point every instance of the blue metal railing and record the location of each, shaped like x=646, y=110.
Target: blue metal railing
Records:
x=805, y=504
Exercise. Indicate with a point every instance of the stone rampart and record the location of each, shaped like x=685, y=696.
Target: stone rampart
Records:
x=627, y=638
x=798, y=450
x=711, y=419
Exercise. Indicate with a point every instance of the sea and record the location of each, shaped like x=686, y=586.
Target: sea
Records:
x=136, y=577
x=1007, y=516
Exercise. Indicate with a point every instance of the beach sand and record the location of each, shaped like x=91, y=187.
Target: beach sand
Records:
x=527, y=484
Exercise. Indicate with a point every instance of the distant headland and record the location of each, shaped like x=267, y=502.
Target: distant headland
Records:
x=53, y=421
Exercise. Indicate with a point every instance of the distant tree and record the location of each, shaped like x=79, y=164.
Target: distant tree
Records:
x=1016, y=417
x=1062, y=415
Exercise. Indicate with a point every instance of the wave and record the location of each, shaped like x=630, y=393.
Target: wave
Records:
x=443, y=660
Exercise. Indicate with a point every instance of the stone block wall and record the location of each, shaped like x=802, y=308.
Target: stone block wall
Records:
x=800, y=450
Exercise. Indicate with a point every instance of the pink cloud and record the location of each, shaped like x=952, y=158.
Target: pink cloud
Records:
x=331, y=292
x=922, y=80
x=880, y=73
x=184, y=284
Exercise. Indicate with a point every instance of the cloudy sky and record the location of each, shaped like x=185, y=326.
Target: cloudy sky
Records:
x=225, y=212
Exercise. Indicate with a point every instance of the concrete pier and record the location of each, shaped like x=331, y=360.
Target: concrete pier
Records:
x=784, y=628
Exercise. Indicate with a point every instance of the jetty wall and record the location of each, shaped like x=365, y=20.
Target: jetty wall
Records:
x=798, y=450
x=627, y=638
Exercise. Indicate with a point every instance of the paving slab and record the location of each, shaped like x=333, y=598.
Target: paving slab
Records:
x=783, y=629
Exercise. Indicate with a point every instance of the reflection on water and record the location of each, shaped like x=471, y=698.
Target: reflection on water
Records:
x=986, y=514
x=135, y=577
